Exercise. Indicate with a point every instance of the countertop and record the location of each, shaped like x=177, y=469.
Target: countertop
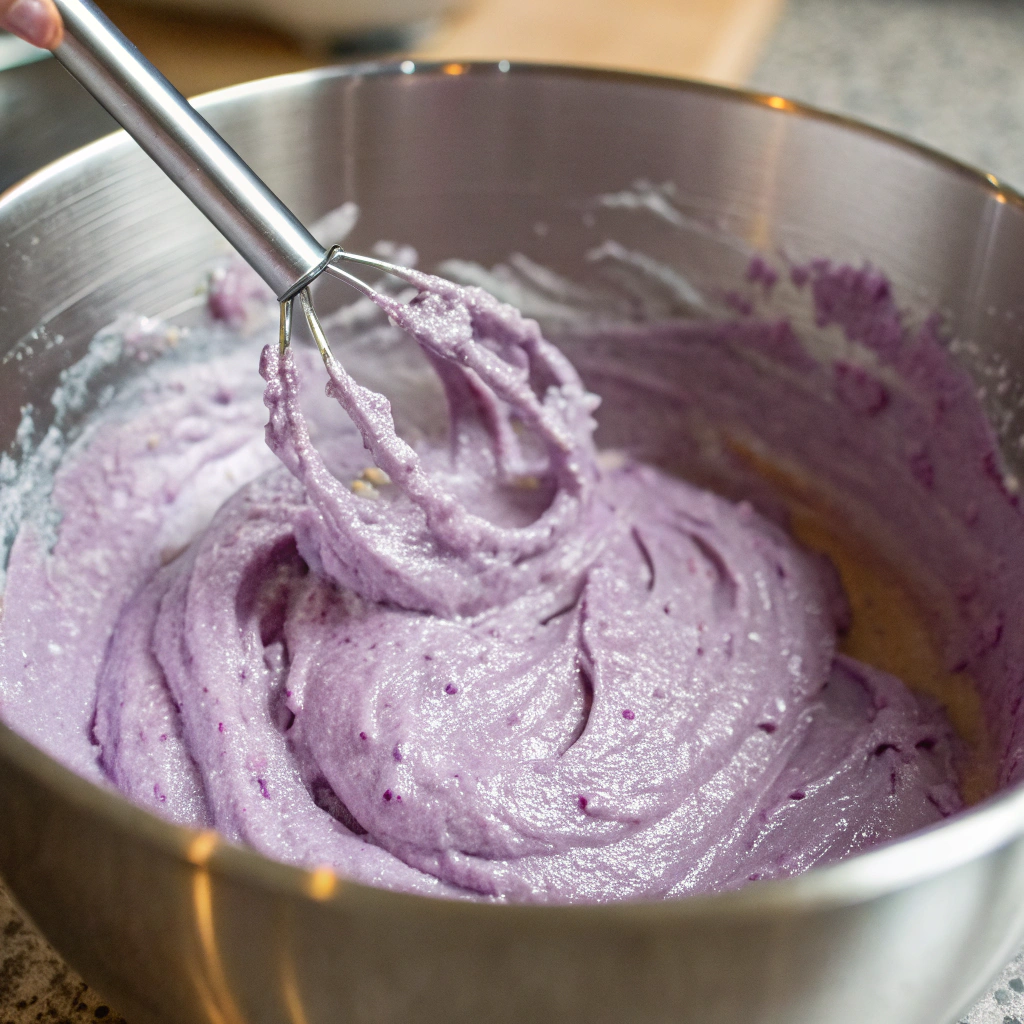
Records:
x=948, y=73
x=945, y=72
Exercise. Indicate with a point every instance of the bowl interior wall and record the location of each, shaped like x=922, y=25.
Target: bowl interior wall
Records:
x=484, y=164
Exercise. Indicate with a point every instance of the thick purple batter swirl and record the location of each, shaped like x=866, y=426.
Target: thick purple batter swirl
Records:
x=494, y=666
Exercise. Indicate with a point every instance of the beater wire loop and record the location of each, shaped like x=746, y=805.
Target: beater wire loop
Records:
x=337, y=253
x=315, y=327
x=285, y=332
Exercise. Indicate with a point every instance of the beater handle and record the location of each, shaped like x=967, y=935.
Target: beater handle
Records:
x=188, y=150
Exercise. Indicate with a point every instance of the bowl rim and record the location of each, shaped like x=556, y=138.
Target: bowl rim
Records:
x=919, y=857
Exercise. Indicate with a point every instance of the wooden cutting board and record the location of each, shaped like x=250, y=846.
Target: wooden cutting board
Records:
x=717, y=40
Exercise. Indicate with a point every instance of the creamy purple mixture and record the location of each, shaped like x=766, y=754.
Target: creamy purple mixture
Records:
x=500, y=663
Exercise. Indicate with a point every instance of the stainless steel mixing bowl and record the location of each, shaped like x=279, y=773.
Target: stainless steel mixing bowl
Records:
x=481, y=161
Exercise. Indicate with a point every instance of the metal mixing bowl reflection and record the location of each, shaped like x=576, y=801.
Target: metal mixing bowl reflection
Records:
x=479, y=162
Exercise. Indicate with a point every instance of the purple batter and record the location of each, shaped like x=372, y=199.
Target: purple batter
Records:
x=500, y=665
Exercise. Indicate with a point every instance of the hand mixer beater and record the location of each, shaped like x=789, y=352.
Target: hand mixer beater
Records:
x=213, y=176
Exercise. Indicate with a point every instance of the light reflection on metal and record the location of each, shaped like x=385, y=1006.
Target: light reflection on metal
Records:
x=210, y=1006
x=759, y=234
x=322, y=883
x=209, y=978
x=202, y=847
x=290, y=989
x=999, y=196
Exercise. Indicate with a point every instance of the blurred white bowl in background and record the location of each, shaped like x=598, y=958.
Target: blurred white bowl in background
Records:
x=319, y=19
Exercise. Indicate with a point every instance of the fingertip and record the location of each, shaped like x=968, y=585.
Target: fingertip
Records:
x=36, y=21
x=56, y=27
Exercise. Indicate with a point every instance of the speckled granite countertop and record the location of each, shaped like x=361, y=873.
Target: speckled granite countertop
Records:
x=949, y=73
x=35, y=983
